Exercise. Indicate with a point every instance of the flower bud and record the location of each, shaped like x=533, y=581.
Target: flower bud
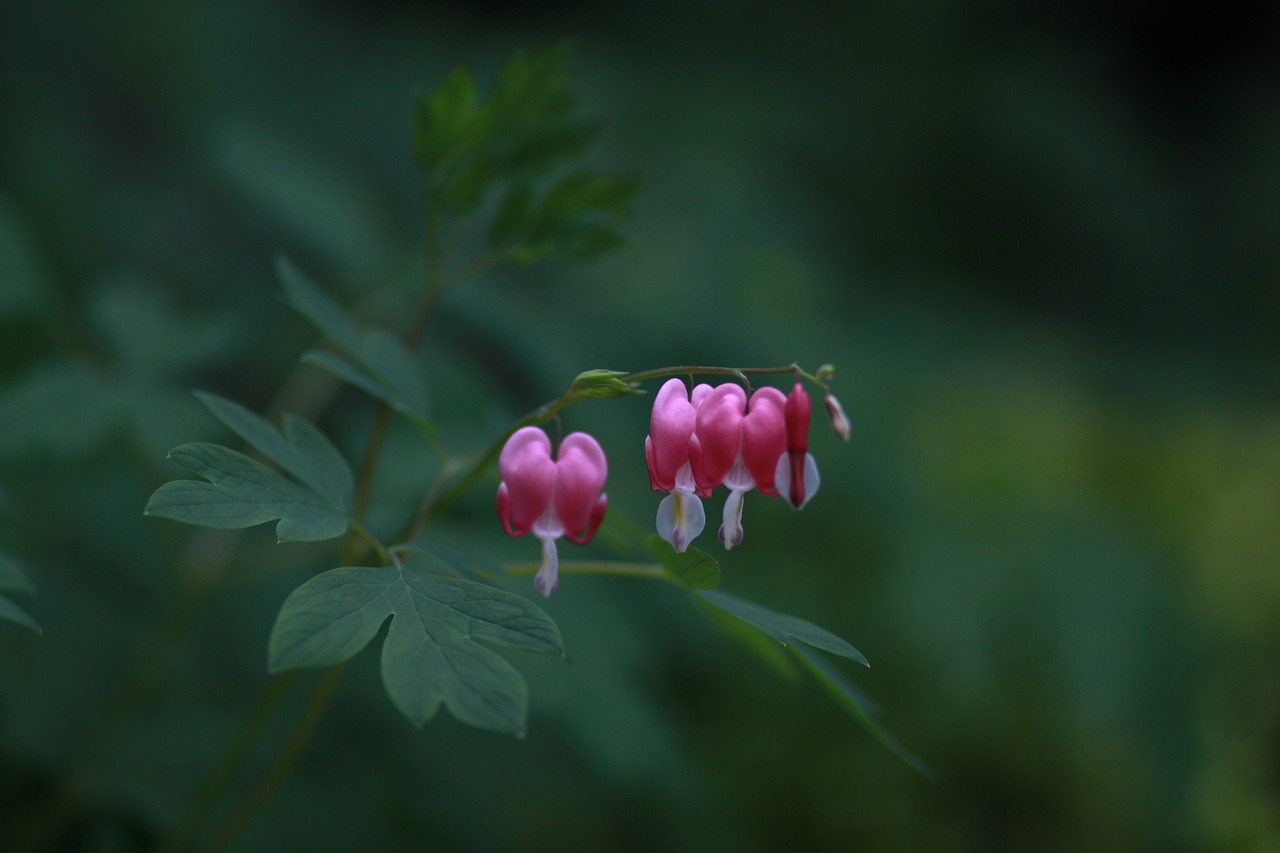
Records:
x=839, y=420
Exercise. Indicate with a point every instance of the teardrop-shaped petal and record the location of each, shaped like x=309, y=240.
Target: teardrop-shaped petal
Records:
x=764, y=436
x=670, y=426
x=680, y=519
x=797, y=480
x=580, y=473
x=528, y=479
x=719, y=432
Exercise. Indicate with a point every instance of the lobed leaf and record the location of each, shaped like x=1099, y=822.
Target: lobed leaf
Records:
x=378, y=364
x=241, y=492
x=302, y=449
x=782, y=627
x=430, y=655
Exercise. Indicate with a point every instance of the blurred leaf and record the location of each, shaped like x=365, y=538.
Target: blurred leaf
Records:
x=63, y=409
x=577, y=217
x=294, y=182
x=302, y=450
x=13, y=578
x=429, y=655
x=441, y=121
x=379, y=364
x=22, y=279
x=241, y=492
x=14, y=613
x=782, y=627
x=694, y=568
x=852, y=700
x=150, y=338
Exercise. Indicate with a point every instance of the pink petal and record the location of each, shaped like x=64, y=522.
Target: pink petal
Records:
x=719, y=433
x=580, y=473
x=528, y=479
x=764, y=437
x=670, y=426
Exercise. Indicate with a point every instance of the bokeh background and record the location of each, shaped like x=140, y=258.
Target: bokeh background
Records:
x=1039, y=241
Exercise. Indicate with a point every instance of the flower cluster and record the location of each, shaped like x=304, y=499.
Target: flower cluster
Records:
x=721, y=437
x=698, y=441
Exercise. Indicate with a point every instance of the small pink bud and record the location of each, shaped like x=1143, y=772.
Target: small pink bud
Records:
x=839, y=420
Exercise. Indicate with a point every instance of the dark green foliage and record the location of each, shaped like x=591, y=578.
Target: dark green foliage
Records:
x=515, y=146
x=430, y=656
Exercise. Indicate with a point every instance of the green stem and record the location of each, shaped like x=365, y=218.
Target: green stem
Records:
x=253, y=801
x=206, y=798
x=603, y=568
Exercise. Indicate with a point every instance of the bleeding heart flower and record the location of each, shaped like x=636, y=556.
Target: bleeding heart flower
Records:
x=796, y=475
x=551, y=498
x=666, y=451
x=738, y=445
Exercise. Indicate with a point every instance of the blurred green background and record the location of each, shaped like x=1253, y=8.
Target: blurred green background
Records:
x=1038, y=241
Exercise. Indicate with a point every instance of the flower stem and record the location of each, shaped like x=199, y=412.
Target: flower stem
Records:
x=261, y=792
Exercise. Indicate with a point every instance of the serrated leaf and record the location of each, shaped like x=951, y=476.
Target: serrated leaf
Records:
x=782, y=627
x=852, y=700
x=13, y=578
x=301, y=449
x=241, y=492
x=430, y=655
x=694, y=568
x=387, y=367
x=13, y=613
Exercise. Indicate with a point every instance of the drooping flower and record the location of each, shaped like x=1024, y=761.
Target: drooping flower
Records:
x=551, y=498
x=738, y=444
x=796, y=475
x=666, y=451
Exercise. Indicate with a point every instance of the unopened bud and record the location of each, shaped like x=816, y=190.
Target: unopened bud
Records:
x=839, y=420
x=826, y=373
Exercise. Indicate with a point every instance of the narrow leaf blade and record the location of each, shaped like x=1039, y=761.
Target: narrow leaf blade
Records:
x=13, y=613
x=13, y=577
x=852, y=700
x=694, y=568
x=782, y=627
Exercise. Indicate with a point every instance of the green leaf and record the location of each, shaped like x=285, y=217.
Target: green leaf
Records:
x=576, y=218
x=782, y=627
x=14, y=613
x=302, y=449
x=694, y=568
x=451, y=558
x=442, y=121
x=24, y=275
x=852, y=700
x=430, y=655
x=388, y=371
x=242, y=492
x=12, y=576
